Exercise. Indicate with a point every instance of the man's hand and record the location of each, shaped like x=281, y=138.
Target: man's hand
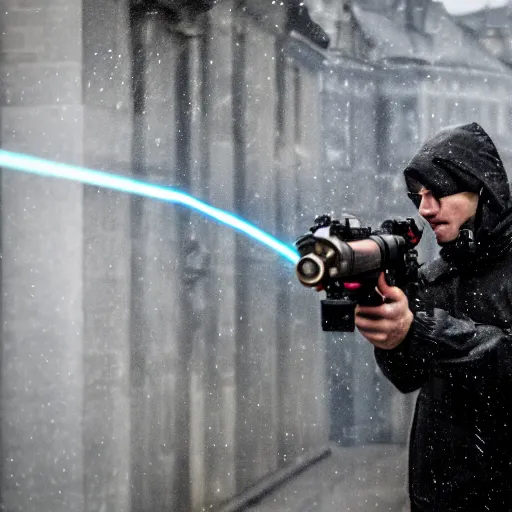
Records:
x=387, y=325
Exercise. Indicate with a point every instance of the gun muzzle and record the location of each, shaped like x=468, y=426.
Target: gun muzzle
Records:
x=310, y=270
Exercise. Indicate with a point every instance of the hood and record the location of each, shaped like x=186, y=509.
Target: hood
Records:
x=460, y=157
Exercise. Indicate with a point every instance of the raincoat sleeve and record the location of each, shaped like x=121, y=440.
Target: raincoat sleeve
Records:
x=440, y=341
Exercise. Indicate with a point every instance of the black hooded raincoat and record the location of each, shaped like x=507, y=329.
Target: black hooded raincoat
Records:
x=458, y=352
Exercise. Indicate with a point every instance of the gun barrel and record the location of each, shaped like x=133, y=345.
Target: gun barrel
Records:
x=343, y=260
x=365, y=256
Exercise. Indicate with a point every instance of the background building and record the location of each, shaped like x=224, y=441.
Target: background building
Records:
x=154, y=361
x=492, y=27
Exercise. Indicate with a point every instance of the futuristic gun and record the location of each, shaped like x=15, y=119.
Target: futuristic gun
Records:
x=345, y=260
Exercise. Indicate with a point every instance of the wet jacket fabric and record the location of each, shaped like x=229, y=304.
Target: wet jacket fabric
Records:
x=458, y=352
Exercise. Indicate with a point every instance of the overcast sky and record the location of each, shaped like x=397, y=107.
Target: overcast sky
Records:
x=463, y=6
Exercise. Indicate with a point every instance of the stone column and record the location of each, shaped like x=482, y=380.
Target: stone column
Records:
x=42, y=260
x=65, y=258
x=107, y=136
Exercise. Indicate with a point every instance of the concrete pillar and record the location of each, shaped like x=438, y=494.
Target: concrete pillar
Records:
x=42, y=260
x=65, y=250
x=160, y=323
x=107, y=273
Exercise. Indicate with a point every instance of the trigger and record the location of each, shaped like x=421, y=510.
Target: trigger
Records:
x=389, y=279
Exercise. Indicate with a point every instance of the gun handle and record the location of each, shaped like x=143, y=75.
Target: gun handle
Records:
x=373, y=299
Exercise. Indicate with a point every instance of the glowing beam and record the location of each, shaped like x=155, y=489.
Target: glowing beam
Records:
x=33, y=165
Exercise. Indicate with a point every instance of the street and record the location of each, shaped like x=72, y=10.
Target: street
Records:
x=370, y=478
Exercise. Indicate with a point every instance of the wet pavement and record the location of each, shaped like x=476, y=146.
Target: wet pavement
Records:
x=362, y=479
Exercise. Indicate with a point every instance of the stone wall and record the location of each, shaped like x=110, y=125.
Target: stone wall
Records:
x=148, y=358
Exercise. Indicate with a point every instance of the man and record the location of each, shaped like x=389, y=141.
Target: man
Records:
x=457, y=349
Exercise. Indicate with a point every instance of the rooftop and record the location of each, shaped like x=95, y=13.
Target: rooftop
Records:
x=439, y=41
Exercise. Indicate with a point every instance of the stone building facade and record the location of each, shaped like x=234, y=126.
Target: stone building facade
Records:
x=151, y=361
x=154, y=361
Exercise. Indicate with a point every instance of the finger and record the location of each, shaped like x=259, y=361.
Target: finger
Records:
x=391, y=293
x=370, y=316
x=382, y=286
x=372, y=326
x=376, y=311
x=375, y=338
x=385, y=311
x=379, y=340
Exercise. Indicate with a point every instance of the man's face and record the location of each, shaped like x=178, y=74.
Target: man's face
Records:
x=447, y=214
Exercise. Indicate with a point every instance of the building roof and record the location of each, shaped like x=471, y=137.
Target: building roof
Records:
x=497, y=17
x=494, y=27
x=443, y=42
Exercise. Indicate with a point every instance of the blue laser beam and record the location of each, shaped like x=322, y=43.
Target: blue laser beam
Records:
x=41, y=167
